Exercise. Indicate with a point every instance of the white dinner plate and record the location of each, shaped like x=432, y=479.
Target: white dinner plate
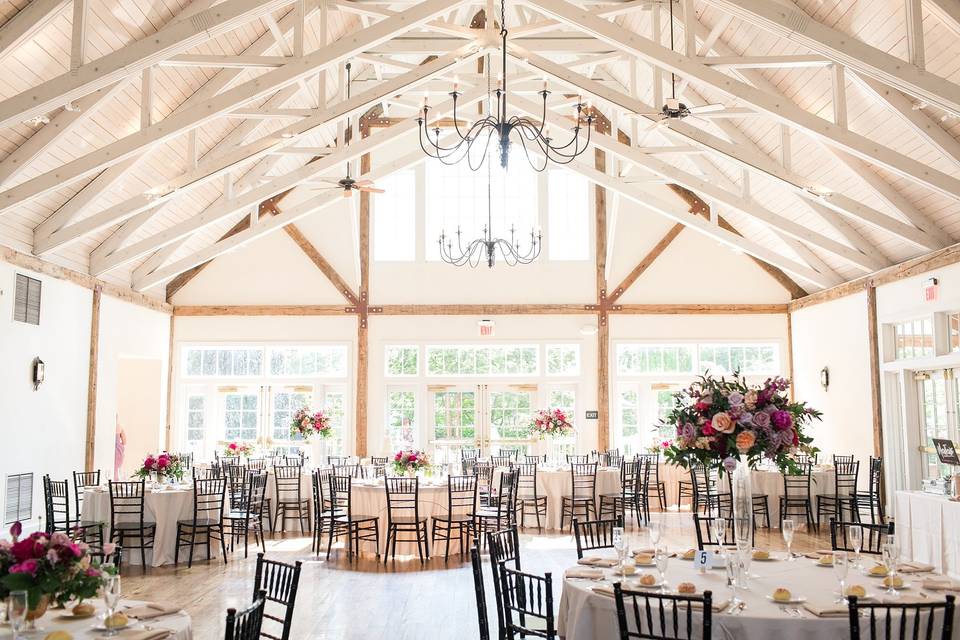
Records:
x=793, y=600
x=635, y=584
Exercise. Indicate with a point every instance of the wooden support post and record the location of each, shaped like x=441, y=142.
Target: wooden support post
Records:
x=790, y=352
x=603, y=332
x=88, y=461
x=874, y=345
x=363, y=372
x=168, y=433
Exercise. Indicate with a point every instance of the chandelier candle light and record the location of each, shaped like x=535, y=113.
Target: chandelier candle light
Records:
x=502, y=126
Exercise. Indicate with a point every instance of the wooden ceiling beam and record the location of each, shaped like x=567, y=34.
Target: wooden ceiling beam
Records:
x=321, y=263
x=647, y=260
x=482, y=310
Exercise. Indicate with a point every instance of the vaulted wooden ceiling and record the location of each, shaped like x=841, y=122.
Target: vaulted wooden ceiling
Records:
x=134, y=136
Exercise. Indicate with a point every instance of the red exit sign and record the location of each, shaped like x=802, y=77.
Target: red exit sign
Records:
x=931, y=289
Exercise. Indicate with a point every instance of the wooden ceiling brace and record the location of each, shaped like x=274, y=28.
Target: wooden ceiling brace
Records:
x=647, y=261
x=321, y=263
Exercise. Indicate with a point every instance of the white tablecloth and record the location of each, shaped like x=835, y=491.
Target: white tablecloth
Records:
x=555, y=483
x=370, y=498
x=306, y=493
x=584, y=614
x=55, y=620
x=164, y=507
x=928, y=527
x=763, y=482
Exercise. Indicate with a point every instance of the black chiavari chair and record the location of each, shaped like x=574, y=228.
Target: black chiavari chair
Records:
x=654, y=487
x=658, y=616
x=501, y=461
x=703, y=527
x=186, y=459
x=338, y=461
x=503, y=513
x=872, y=500
x=246, y=512
x=357, y=527
x=583, y=493
x=56, y=498
x=354, y=470
x=207, y=520
x=483, y=619
x=528, y=494
x=625, y=500
x=484, y=473
x=595, y=534
x=257, y=464
x=902, y=620
x=126, y=503
x=842, y=459
x=504, y=547
x=804, y=459
x=379, y=466
x=796, y=498
x=469, y=454
x=458, y=520
x=468, y=467
x=212, y=472
x=246, y=623
x=403, y=516
x=290, y=498
x=322, y=507
x=706, y=492
x=535, y=459
x=760, y=503
x=575, y=459
x=82, y=480
x=527, y=604
x=236, y=475
x=278, y=582
x=872, y=536
x=844, y=493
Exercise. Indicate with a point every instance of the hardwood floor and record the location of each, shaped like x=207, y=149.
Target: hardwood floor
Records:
x=402, y=600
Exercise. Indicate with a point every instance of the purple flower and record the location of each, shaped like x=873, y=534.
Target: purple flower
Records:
x=745, y=418
x=735, y=399
x=761, y=419
x=688, y=431
x=782, y=419
x=730, y=463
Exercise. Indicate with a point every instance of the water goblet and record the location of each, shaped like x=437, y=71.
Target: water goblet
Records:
x=655, y=531
x=718, y=527
x=618, y=542
x=732, y=564
x=17, y=612
x=891, y=554
x=855, y=538
x=111, y=598
x=661, y=555
x=840, y=565
x=786, y=528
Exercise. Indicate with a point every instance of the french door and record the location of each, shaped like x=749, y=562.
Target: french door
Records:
x=491, y=417
x=938, y=402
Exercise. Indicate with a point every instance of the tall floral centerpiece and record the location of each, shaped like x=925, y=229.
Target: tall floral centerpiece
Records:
x=727, y=424
x=408, y=462
x=237, y=449
x=314, y=426
x=164, y=465
x=50, y=568
x=551, y=424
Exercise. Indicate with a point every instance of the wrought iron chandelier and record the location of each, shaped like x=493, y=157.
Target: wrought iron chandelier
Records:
x=487, y=246
x=502, y=127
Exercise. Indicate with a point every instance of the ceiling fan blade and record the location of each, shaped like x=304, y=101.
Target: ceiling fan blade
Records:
x=707, y=108
x=370, y=190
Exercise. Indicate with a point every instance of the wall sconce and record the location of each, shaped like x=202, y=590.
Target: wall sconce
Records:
x=38, y=373
x=825, y=378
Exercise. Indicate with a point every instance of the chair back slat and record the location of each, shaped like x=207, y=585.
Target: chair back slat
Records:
x=403, y=498
x=583, y=480
x=930, y=619
x=872, y=536
x=527, y=603
x=655, y=616
x=703, y=526
x=286, y=478
x=461, y=495
x=595, y=534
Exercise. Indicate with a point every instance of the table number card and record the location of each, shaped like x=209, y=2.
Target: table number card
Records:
x=703, y=559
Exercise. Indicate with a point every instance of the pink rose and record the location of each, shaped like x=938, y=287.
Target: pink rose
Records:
x=723, y=423
x=15, y=530
x=93, y=573
x=109, y=548
x=233, y=446
x=27, y=566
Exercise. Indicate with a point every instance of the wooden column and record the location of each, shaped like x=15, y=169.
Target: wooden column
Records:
x=362, y=328
x=168, y=433
x=874, y=345
x=603, y=328
x=790, y=352
x=92, y=380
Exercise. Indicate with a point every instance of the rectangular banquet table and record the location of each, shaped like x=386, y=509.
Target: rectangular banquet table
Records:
x=584, y=614
x=162, y=506
x=928, y=526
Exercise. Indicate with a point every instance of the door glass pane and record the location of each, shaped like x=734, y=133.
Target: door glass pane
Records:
x=335, y=408
x=933, y=409
x=286, y=402
x=240, y=416
x=401, y=419
x=510, y=415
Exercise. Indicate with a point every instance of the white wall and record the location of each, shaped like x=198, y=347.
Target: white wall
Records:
x=45, y=430
x=834, y=335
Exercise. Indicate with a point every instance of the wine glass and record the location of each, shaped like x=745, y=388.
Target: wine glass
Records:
x=718, y=528
x=840, y=565
x=786, y=528
x=732, y=564
x=618, y=543
x=855, y=538
x=891, y=554
x=111, y=598
x=17, y=612
x=655, y=532
x=662, y=556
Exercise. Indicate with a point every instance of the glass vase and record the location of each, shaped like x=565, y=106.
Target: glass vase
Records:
x=742, y=504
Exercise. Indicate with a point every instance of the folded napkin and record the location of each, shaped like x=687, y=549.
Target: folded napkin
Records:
x=581, y=572
x=940, y=584
x=149, y=610
x=813, y=555
x=598, y=562
x=717, y=605
x=144, y=634
x=914, y=567
x=826, y=610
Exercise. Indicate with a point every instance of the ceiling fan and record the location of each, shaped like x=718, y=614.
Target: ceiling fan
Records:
x=349, y=184
x=673, y=109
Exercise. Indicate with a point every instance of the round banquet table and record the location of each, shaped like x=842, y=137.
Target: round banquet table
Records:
x=555, y=483
x=178, y=624
x=162, y=506
x=585, y=613
x=369, y=498
x=762, y=481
